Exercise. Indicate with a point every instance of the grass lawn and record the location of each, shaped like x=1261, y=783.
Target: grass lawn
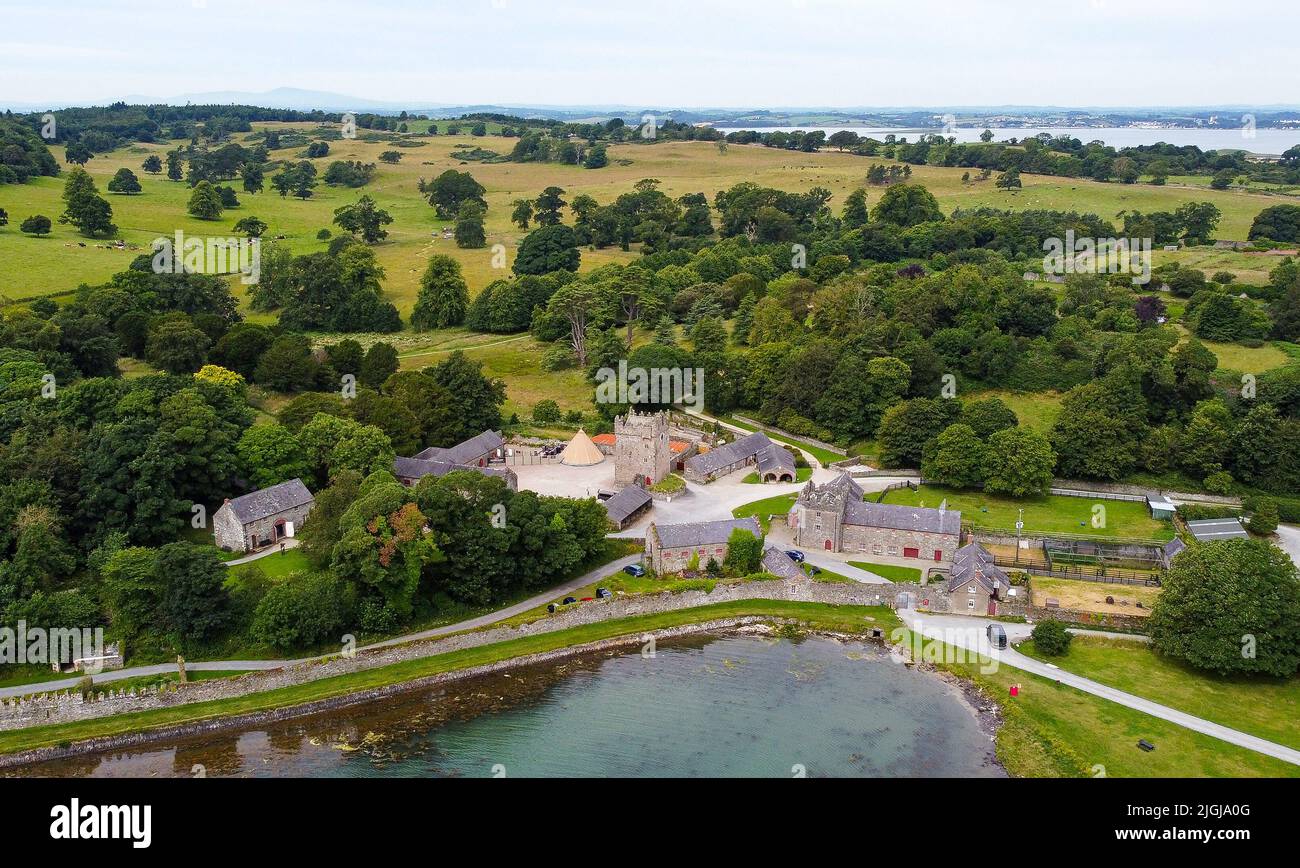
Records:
x=1051, y=730
x=890, y=571
x=778, y=505
x=1036, y=411
x=1091, y=596
x=1248, y=360
x=1266, y=707
x=281, y=564
x=1043, y=515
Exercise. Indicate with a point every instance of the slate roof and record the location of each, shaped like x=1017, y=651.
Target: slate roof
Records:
x=779, y=564
x=900, y=517
x=464, y=453
x=775, y=458
x=973, y=561
x=1210, y=529
x=417, y=468
x=729, y=453
x=1173, y=547
x=621, y=506
x=267, y=502
x=700, y=533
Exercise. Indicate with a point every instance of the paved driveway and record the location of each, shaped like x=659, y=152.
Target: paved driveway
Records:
x=1288, y=538
x=959, y=631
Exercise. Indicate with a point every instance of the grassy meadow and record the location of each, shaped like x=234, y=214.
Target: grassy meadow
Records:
x=58, y=262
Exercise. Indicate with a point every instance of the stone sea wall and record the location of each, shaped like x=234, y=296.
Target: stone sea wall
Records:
x=67, y=706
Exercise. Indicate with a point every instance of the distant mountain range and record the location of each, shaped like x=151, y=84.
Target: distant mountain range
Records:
x=903, y=116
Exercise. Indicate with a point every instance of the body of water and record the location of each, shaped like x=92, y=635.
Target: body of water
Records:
x=728, y=705
x=1271, y=142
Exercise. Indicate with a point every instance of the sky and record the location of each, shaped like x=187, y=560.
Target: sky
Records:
x=660, y=53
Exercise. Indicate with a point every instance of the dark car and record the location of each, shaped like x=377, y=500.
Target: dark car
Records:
x=997, y=636
x=634, y=570
x=813, y=571
x=795, y=555
x=550, y=607
x=602, y=593
x=568, y=600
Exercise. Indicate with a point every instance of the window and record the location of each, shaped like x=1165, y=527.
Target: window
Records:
x=877, y=549
x=970, y=589
x=893, y=550
x=970, y=604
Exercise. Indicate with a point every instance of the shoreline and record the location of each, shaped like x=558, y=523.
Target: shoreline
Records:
x=984, y=711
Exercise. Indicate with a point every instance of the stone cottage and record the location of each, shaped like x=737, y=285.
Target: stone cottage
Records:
x=263, y=517
x=476, y=453
x=976, y=584
x=670, y=547
x=834, y=517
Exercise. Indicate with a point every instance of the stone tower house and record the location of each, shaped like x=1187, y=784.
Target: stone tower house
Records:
x=641, y=448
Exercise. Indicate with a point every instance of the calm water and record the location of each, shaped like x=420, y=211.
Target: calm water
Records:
x=1264, y=141
x=712, y=706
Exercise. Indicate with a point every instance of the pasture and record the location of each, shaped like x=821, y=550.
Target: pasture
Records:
x=59, y=262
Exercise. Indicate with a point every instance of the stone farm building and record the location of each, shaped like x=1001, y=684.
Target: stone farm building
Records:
x=262, y=517
x=670, y=547
x=473, y=454
x=773, y=463
x=627, y=505
x=975, y=583
x=834, y=517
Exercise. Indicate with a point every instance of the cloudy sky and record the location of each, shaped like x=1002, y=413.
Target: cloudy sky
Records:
x=666, y=53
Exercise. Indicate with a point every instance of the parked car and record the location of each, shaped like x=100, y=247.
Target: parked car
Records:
x=795, y=555
x=568, y=600
x=550, y=607
x=634, y=570
x=602, y=593
x=997, y=636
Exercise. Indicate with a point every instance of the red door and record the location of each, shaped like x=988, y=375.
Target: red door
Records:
x=938, y=555
x=993, y=606
x=911, y=553
x=828, y=545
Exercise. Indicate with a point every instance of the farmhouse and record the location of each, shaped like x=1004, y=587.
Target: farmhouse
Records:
x=976, y=583
x=834, y=517
x=472, y=454
x=263, y=517
x=670, y=547
x=774, y=463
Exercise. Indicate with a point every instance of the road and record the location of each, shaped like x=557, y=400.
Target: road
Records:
x=1288, y=539
x=957, y=630
x=254, y=665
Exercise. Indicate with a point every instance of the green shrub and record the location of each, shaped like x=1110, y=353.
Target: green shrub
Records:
x=304, y=611
x=1051, y=638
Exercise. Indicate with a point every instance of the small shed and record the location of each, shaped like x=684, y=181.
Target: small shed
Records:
x=1214, y=529
x=1160, y=506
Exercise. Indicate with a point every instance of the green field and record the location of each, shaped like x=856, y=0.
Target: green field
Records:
x=892, y=572
x=1043, y=515
x=778, y=506
x=57, y=263
x=1266, y=707
x=1036, y=411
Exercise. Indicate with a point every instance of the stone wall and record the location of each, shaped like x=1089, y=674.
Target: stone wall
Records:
x=67, y=706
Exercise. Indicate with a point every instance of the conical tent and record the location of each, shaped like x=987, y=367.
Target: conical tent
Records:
x=581, y=452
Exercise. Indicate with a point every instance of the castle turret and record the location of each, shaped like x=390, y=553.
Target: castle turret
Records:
x=642, y=452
